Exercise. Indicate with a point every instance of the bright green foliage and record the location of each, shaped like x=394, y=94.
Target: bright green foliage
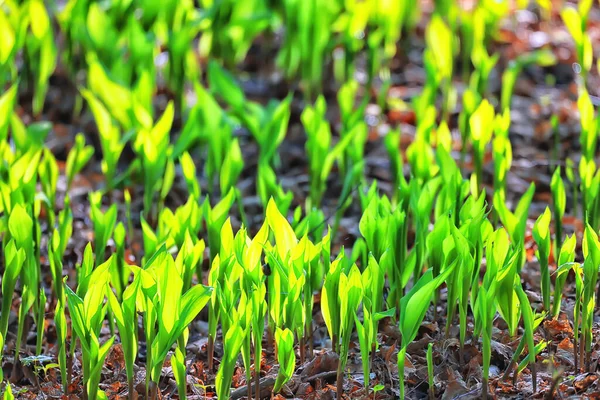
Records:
x=350, y=296
x=559, y=202
x=502, y=152
x=577, y=319
x=60, y=321
x=531, y=328
x=30, y=138
x=7, y=104
x=232, y=166
x=20, y=187
x=248, y=254
x=515, y=222
x=481, y=125
x=151, y=144
x=179, y=371
x=104, y=224
x=41, y=47
x=376, y=226
x=215, y=218
x=421, y=159
x=285, y=356
x=268, y=126
x=484, y=316
x=528, y=324
x=296, y=274
x=392, y=143
x=589, y=186
x=430, y=375
x=422, y=200
x=220, y=269
x=454, y=188
x=465, y=267
x=351, y=25
x=125, y=315
x=22, y=227
x=413, y=307
x=330, y=302
x=387, y=20
x=318, y=149
x=189, y=175
x=167, y=315
x=231, y=28
x=437, y=255
x=87, y=315
x=587, y=302
x=476, y=228
x=177, y=27
x=77, y=158
x=48, y=173
x=352, y=113
x=8, y=394
x=13, y=260
x=232, y=343
x=589, y=126
x=137, y=57
x=566, y=257
x=308, y=35
x=541, y=235
x=110, y=137
x=439, y=57
x=55, y=252
x=575, y=21
x=482, y=61
x=502, y=261
x=373, y=279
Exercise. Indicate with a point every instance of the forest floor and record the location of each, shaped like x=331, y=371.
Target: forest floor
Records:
x=539, y=94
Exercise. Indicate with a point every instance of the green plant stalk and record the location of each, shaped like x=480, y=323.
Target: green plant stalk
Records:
x=526, y=361
x=61, y=333
x=577, y=313
x=486, y=351
x=528, y=323
x=40, y=321
x=541, y=235
x=285, y=356
x=179, y=371
x=213, y=320
x=558, y=203
x=351, y=293
x=565, y=263
x=27, y=301
x=401, y=358
x=126, y=319
x=150, y=333
x=590, y=276
x=453, y=293
x=231, y=346
x=414, y=306
x=13, y=263
x=430, y=371
x=40, y=300
x=465, y=281
x=365, y=347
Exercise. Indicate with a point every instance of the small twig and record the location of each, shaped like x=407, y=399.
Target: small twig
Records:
x=320, y=375
x=266, y=387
